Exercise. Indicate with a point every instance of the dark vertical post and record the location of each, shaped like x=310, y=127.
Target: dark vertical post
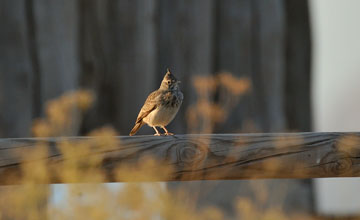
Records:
x=234, y=54
x=16, y=71
x=298, y=60
x=186, y=34
x=57, y=28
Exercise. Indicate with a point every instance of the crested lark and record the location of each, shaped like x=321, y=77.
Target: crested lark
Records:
x=160, y=106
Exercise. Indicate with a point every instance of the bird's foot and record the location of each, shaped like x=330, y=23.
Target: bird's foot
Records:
x=157, y=134
x=168, y=134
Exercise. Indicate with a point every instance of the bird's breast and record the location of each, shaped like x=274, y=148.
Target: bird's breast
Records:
x=168, y=106
x=161, y=116
x=172, y=99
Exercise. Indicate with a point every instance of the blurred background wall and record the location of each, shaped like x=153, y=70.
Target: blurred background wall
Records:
x=120, y=49
x=336, y=92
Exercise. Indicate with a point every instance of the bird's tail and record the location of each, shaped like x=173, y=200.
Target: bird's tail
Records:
x=136, y=128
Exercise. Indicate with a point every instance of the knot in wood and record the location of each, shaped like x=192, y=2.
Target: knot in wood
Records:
x=336, y=163
x=190, y=153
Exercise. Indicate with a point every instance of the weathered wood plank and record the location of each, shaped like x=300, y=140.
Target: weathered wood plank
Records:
x=269, y=65
x=119, y=56
x=234, y=47
x=186, y=35
x=16, y=70
x=56, y=25
x=214, y=157
x=134, y=58
x=95, y=53
x=298, y=65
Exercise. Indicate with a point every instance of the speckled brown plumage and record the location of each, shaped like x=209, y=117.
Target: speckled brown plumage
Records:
x=160, y=106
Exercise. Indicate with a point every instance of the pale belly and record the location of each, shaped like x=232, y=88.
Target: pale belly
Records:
x=161, y=116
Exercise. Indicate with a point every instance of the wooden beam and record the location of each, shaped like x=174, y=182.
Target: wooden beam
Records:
x=210, y=157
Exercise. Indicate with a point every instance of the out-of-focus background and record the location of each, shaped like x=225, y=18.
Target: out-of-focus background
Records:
x=298, y=60
x=336, y=92
x=121, y=49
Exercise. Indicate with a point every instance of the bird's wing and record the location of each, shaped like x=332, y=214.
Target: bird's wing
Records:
x=149, y=105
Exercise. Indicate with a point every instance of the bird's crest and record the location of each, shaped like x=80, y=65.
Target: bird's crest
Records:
x=169, y=76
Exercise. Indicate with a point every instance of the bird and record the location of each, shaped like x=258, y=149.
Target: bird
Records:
x=161, y=106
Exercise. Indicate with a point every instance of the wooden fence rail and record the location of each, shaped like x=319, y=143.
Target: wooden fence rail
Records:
x=210, y=157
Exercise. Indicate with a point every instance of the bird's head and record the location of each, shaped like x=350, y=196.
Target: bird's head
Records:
x=169, y=81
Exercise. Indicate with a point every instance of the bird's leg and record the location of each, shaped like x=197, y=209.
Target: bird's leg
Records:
x=157, y=132
x=166, y=131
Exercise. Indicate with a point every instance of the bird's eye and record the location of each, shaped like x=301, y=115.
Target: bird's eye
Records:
x=169, y=82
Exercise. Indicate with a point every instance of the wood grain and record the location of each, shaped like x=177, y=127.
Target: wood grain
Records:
x=214, y=157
